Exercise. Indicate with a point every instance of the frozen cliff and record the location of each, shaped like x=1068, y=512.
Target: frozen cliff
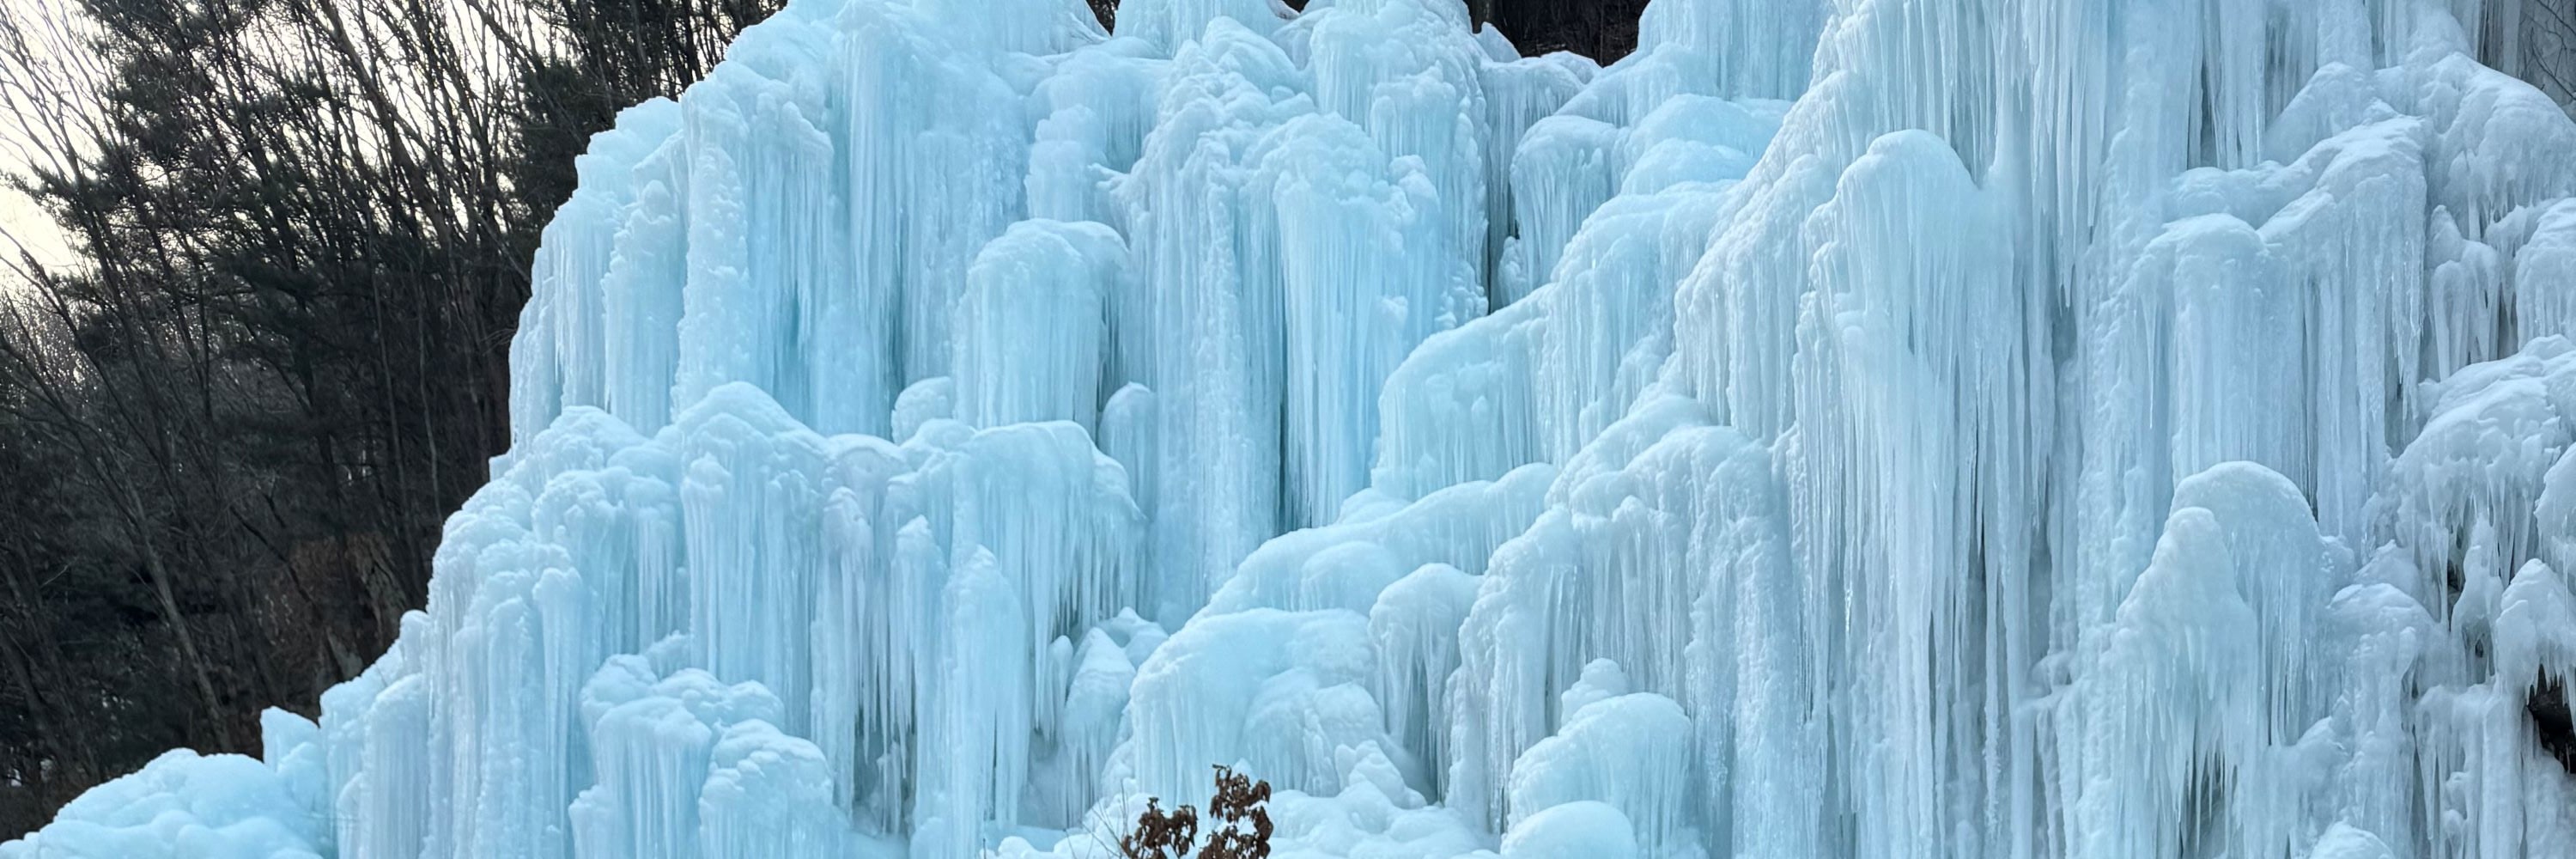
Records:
x=1887, y=429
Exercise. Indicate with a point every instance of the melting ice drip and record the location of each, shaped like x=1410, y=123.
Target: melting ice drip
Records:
x=2064, y=429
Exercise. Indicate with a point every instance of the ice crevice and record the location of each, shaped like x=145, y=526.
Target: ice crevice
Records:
x=1866, y=429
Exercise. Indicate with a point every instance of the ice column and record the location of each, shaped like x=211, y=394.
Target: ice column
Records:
x=1032, y=331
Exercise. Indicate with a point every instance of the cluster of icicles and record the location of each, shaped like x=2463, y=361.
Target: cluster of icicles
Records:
x=1954, y=429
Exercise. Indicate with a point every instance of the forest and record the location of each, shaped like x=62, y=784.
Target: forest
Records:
x=233, y=423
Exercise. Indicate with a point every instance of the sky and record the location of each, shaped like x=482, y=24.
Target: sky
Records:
x=22, y=222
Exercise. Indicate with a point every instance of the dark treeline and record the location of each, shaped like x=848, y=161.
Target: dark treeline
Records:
x=2534, y=40
x=231, y=425
x=1604, y=30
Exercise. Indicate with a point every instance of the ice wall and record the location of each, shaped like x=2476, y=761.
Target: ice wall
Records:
x=1879, y=429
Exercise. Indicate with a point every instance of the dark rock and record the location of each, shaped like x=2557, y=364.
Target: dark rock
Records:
x=2553, y=726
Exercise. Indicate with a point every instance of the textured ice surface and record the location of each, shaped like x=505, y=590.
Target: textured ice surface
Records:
x=1955, y=429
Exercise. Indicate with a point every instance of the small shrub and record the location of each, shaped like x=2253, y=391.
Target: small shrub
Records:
x=1239, y=815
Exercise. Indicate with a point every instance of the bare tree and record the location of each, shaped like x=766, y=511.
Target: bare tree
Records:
x=2534, y=40
x=301, y=232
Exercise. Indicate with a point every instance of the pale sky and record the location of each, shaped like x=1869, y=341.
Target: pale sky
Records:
x=21, y=221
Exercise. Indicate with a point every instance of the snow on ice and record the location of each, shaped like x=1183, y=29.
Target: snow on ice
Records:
x=1890, y=429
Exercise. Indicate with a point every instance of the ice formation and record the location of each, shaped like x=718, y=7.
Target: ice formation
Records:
x=1889, y=429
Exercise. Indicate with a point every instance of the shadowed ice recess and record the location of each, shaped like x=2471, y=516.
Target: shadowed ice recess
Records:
x=1886, y=429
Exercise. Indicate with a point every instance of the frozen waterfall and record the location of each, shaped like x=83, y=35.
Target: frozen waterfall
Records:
x=1843, y=429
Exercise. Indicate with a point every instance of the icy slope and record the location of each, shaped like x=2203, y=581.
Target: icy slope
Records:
x=2068, y=428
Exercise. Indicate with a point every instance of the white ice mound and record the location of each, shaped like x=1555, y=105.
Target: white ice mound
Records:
x=213, y=807
x=1877, y=429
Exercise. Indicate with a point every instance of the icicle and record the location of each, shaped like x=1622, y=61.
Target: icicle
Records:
x=1415, y=628
x=1032, y=334
x=975, y=733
